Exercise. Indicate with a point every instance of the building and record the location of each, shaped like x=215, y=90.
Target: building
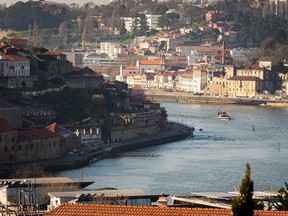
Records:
x=30, y=192
x=152, y=21
x=244, y=86
x=185, y=82
x=111, y=49
x=85, y=78
x=11, y=113
x=54, y=62
x=19, y=42
x=76, y=57
x=34, y=144
x=131, y=197
x=15, y=72
x=150, y=66
x=108, y=210
x=100, y=61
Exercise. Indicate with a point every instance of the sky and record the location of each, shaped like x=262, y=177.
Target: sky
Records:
x=80, y=2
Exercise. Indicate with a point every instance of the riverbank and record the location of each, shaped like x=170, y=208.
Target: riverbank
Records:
x=207, y=99
x=174, y=132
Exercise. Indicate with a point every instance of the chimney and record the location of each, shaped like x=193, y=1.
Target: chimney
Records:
x=223, y=53
x=162, y=201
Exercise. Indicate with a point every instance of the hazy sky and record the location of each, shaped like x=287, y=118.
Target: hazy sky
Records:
x=80, y=2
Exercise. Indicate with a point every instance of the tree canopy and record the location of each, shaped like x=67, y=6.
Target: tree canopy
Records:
x=243, y=205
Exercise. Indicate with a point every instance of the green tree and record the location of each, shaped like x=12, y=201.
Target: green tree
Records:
x=243, y=205
x=143, y=24
x=282, y=203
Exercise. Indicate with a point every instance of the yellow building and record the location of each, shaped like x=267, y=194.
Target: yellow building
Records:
x=244, y=86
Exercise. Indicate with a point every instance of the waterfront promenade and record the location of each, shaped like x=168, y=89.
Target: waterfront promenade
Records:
x=89, y=154
x=262, y=100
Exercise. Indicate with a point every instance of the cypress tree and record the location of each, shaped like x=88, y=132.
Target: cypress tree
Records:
x=243, y=205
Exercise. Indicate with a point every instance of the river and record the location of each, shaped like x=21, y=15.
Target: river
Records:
x=213, y=160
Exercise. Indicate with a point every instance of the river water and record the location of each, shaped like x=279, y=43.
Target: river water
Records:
x=213, y=160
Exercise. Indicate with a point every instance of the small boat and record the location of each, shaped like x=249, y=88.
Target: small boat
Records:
x=223, y=116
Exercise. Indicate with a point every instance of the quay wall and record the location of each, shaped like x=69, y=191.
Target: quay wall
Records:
x=146, y=142
x=185, y=97
x=175, y=133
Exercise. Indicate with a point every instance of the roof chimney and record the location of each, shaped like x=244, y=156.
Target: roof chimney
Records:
x=223, y=53
x=162, y=201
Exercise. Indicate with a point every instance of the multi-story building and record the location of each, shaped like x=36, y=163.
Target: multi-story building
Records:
x=171, y=42
x=152, y=21
x=11, y=113
x=261, y=73
x=146, y=66
x=185, y=82
x=35, y=144
x=244, y=86
x=76, y=57
x=111, y=49
x=164, y=81
x=15, y=71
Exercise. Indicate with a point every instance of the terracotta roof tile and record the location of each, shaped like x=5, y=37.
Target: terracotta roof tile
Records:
x=19, y=38
x=43, y=133
x=150, y=62
x=130, y=68
x=5, y=126
x=14, y=58
x=113, y=210
x=52, y=53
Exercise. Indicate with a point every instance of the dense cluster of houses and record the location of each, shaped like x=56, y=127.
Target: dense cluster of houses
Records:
x=134, y=115
x=204, y=76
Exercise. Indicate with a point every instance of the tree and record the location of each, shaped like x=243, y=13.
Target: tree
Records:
x=167, y=20
x=143, y=25
x=243, y=205
x=282, y=203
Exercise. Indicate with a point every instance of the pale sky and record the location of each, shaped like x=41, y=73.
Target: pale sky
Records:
x=80, y=2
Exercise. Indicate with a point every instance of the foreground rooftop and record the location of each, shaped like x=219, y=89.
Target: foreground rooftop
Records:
x=113, y=210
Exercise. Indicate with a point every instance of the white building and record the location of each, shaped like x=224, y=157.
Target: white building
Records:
x=111, y=49
x=148, y=66
x=15, y=72
x=128, y=22
x=76, y=57
x=185, y=82
x=14, y=66
x=238, y=55
x=152, y=21
x=103, y=62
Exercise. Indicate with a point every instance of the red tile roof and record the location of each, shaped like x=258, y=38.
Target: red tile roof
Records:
x=42, y=133
x=121, y=210
x=130, y=68
x=19, y=38
x=52, y=53
x=5, y=126
x=150, y=62
x=14, y=58
x=52, y=127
